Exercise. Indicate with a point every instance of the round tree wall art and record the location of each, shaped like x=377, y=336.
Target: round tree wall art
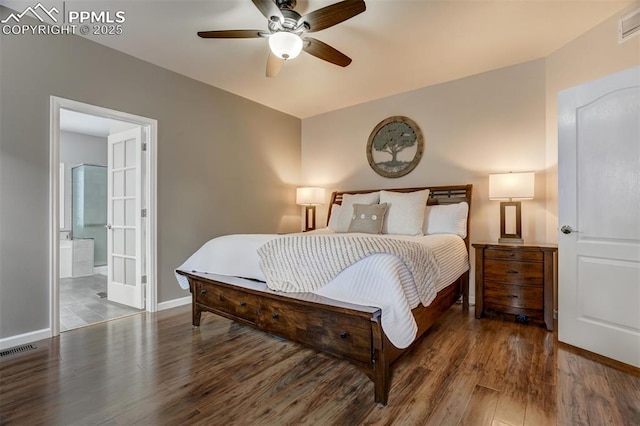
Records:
x=395, y=147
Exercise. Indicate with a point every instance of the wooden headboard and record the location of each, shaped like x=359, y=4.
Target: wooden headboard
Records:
x=437, y=195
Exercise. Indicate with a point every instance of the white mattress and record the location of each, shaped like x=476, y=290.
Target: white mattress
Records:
x=380, y=280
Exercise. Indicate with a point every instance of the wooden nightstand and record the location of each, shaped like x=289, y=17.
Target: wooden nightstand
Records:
x=517, y=280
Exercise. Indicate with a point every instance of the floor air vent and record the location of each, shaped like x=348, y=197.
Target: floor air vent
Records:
x=16, y=350
x=629, y=26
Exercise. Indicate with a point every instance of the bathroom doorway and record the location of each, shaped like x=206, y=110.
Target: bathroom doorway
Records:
x=103, y=205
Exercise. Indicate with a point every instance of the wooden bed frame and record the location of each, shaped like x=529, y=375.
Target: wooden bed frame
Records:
x=351, y=332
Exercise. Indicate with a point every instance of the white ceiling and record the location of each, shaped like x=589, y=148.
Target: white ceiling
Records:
x=77, y=122
x=85, y=124
x=396, y=45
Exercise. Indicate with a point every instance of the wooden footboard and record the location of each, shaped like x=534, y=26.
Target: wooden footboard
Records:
x=347, y=331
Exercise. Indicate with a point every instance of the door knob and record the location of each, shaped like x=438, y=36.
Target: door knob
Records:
x=108, y=226
x=566, y=229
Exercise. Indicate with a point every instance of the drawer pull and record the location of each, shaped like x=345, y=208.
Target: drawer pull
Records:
x=343, y=335
x=275, y=315
x=511, y=271
x=203, y=292
x=512, y=254
x=243, y=303
x=512, y=296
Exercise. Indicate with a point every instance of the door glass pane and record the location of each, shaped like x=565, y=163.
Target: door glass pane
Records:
x=118, y=213
x=130, y=242
x=130, y=274
x=130, y=212
x=130, y=182
x=131, y=153
x=118, y=241
x=118, y=184
x=118, y=155
x=118, y=269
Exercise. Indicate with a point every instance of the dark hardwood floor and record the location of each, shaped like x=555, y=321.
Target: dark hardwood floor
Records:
x=153, y=369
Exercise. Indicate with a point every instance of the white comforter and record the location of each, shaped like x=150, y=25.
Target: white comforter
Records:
x=379, y=280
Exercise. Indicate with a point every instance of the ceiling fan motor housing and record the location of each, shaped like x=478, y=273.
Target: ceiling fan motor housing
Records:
x=290, y=24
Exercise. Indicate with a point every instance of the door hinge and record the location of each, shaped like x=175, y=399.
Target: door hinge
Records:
x=144, y=213
x=144, y=279
x=144, y=147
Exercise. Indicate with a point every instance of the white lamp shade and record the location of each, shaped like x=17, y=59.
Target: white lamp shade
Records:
x=509, y=186
x=285, y=45
x=310, y=196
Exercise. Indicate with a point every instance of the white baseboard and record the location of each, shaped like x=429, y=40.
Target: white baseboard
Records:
x=23, y=339
x=174, y=303
x=100, y=270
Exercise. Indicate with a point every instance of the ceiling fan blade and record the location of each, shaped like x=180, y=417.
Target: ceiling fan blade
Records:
x=325, y=52
x=232, y=34
x=269, y=9
x=274, y=64
x=333, y=14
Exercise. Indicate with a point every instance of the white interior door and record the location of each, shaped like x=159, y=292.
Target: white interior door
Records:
x=124, y=219
x=599, y=216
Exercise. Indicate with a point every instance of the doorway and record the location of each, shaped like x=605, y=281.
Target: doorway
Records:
x=102, y=208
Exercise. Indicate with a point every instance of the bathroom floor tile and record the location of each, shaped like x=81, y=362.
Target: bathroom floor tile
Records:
x=81, y=305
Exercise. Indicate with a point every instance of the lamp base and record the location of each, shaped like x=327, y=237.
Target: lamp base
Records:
x=511, y=233
x=309, y=218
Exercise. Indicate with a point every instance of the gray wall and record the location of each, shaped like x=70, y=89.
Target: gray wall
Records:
x=486, y=123
x=225, y=164
x=76, y=148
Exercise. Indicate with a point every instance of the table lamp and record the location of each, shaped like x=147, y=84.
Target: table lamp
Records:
x=508, y=187
x=310, y=197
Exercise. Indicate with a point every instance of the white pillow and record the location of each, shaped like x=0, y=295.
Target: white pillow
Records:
x=348, y=200
x=405, y=213
x=447, y=219
x=333, y=219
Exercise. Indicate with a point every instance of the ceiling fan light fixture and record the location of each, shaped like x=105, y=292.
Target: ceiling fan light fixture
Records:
x=285, y=45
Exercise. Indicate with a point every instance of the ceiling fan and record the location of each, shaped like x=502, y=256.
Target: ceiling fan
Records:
x=286, y=27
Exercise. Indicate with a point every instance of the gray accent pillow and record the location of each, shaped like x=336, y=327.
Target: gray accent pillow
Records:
x=348, y=200
x=368, y=218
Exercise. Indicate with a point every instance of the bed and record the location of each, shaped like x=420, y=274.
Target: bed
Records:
x=334, y=325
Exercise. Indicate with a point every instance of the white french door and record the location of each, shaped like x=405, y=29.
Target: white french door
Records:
x=599, y=216
x=124, y=219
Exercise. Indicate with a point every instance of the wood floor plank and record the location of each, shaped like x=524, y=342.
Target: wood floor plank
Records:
x=428, y=394
x=401, y=398
x=347, y=406
x=543, y=364
x=156, y=369
x=512, y=402
x=626, y=392
x=590, y=399
x=541, y=404
x=451, y=407
x=481, y=408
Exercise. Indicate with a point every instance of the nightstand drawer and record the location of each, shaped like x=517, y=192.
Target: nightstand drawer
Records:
x=513, y=254
x=515, y=296
x=513, y=272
